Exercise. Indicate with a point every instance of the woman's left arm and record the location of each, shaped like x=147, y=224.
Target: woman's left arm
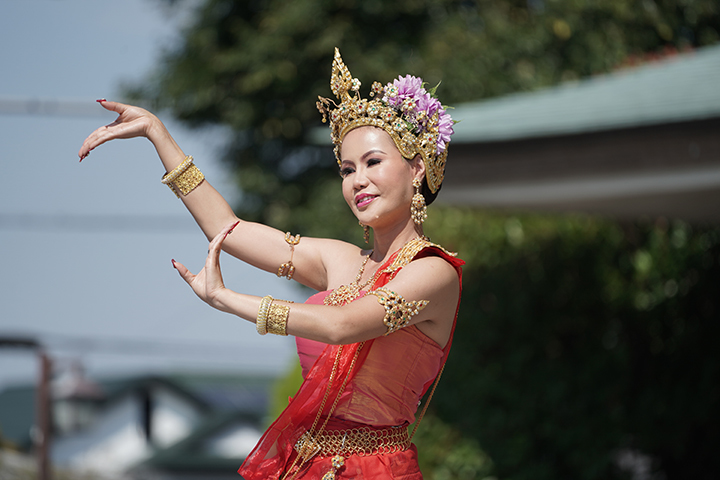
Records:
x=426, y=290
x=424, y=293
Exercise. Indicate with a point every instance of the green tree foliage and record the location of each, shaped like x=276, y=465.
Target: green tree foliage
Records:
x=257, y=67
x=588, y=342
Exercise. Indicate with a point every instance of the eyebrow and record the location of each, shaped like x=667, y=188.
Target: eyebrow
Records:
x=370, y=152
x=365, y=155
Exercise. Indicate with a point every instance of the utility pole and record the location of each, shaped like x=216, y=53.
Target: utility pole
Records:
x=42, y=431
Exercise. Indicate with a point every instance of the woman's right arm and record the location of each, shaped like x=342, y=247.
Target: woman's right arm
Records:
x=254, y=243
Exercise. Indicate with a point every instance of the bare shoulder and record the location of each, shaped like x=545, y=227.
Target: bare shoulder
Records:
x=430, y=274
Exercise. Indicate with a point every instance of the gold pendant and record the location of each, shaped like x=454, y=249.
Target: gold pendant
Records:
x=337, y=462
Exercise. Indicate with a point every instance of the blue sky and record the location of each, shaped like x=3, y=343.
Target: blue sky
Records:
x=86, y=247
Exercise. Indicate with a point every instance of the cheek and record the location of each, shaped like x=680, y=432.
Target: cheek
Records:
x=347, y=191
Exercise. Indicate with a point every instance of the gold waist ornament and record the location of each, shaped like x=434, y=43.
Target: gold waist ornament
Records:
x=362, y=441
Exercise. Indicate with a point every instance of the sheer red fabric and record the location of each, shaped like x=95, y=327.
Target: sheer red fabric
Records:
x=275, y=452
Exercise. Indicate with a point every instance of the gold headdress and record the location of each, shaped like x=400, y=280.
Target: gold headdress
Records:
x=412, y=116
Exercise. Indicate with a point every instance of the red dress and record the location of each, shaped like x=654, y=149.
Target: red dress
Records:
x=378, y=383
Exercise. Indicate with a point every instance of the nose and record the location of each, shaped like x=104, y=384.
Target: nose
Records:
x=360, y=180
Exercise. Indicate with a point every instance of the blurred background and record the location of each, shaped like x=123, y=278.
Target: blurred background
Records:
x=582, y=189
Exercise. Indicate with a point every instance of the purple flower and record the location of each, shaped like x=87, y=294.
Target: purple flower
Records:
x=405, y=87
x=429, y=104
x=409, y=86
x=445, y=130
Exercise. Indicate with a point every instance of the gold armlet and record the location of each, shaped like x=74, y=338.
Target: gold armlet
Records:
x=287, y=269
x=184, y=178
x=398, y=311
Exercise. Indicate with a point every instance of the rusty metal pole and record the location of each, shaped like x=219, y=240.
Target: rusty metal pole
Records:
x=43, y=427
x=42, y=432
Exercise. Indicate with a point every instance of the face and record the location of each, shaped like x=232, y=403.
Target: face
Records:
x=377, y=180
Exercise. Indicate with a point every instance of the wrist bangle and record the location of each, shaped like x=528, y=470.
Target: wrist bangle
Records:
x=184, y=178
x=262, y=316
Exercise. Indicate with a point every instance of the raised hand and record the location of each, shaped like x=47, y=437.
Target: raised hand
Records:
x=131, y=122
x=208, y=282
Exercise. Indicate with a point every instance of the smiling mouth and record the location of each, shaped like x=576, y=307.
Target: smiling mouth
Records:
x=363, y=200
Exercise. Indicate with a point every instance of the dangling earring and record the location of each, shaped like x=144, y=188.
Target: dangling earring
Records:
x=418, y=209
x=366, y=232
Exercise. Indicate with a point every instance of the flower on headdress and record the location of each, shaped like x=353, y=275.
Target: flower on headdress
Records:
x=355, y=85
x=376, y=88
x=391, y=92
x=408, y=105
x=429, y=104
x=445, y=130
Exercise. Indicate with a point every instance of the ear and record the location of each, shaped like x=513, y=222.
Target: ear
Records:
x=418, y=167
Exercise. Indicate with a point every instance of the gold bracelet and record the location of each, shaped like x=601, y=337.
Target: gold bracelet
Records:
x=189, y=179
x=288, y=269
x=168, y=178
x=398, y=311
x=277, y=319
x=184, y=178
x=262, y=316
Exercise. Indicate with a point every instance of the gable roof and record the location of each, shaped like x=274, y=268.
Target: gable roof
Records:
x=679, y=88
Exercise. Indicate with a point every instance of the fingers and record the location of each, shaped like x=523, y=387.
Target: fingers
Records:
x=183, y=271
x=116, y=129
x=216, y=243
x=112, y=106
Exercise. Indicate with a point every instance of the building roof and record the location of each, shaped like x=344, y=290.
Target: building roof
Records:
x=679, y=88
x=210, y=393
x=198, y=452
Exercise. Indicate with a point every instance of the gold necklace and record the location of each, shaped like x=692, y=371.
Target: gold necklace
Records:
x=345, y=294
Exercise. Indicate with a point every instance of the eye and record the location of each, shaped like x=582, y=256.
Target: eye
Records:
x=344, y=172
x=373, y=161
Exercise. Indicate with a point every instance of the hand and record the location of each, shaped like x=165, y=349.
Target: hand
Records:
x=208, y=283
x=131, y=122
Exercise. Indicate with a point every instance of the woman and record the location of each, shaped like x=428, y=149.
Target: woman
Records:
x=378, y=333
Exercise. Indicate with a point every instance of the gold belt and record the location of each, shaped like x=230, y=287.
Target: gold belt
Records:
x=361, y=441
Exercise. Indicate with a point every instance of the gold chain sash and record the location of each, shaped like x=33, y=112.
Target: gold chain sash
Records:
x=362, y=441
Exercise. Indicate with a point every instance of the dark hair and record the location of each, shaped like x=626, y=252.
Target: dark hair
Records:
x=429, y=196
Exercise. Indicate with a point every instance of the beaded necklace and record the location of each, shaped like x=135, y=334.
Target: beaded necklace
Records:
x=345, y=294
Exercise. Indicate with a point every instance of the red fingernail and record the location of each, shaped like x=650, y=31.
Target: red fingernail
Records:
x=173, y=262
x=101, y=100
x=233, y=227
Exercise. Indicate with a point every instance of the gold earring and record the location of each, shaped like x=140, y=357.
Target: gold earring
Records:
x=418, y=209
x=366, y=232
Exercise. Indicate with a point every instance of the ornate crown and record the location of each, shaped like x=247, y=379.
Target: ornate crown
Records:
x=417, y=122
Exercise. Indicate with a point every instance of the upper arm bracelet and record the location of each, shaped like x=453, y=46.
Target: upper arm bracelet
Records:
x=398, y=311
x=287, y=269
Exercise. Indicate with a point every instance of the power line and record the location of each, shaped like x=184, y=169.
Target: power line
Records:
x=97, y=223
x=50, y=107
x=79, y=345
